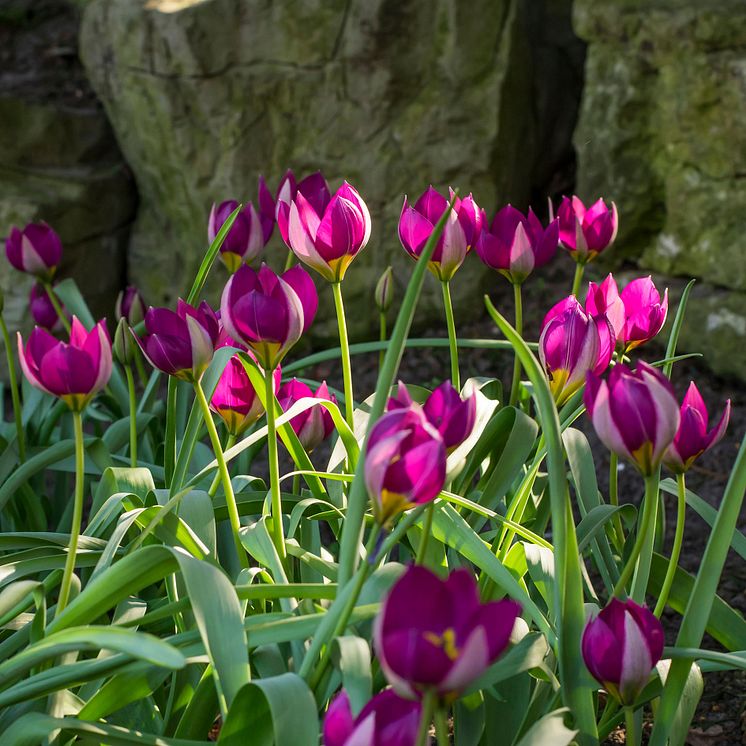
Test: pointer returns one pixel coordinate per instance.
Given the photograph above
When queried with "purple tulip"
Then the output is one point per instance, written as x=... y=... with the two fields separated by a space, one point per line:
x=387 y=720
x=235 y=399
x=180 y=344
x=452 y=416
x=635 y=413
x=462 y=229
x=315 y=191
x=267 y=312
x=130 y=306
x=328 y=240
x=585 y=233
x=250 y=232
x=36 y=249
x=405 y=463
x=692 y=438
x=434 y=634
x=644 y=312
x=571 y=344
x=515 y=244
x=604 y=300
x=621 y=647
x=314 y=425
x=43 y=312
x=74 y=372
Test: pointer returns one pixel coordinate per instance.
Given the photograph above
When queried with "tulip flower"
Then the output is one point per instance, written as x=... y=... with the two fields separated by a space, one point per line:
x=387 y=720
x=571 y=344
x=267 y=312
x=621 y=647
x=235 y=399
x=43 y=312
x=328 y=239
x=461 y=231
x=130 y=306
x=384 y=293
x=74 y=372
x=692 y=438
x=250 y=232
x=315 y=191
x=644 y=312
x=452 y=416
x=405 y=463
x=312 y=426
x=585 y=233
x=515 y=244
x=604 y=300
x=36 y=249
x=434 y=635
x=181 y=343
x=635 y=413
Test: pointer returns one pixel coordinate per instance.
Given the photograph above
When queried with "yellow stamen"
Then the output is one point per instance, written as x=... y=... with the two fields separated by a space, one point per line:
x=447 y=641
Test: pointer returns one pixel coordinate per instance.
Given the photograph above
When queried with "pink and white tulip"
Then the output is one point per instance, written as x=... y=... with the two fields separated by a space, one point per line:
x=586 y=232
x=36 y=250
x=312 y=426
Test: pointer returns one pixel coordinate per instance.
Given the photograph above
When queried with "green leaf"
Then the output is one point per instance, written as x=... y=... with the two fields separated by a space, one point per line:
x=678 y=321
x=687 y=705
x=550 y=729
x=351 y=655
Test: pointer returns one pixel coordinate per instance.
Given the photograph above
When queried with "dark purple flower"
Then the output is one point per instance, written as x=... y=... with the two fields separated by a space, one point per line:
x=36 y=249
x=313 y=425
x=130 y=306
x=42 y=310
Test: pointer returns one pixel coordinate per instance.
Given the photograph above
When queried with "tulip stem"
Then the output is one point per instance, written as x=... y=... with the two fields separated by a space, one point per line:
x=289 y=261
x=428 y=705
x=441 y=726
x=72 y=549
x=614 y=498
x=427 y=528
x=645 y=526
x=57 y=307
x=578 y=278
x=13 y=381
x=519 y=328
x=631 y=736
x=230 y=497
x=278 y=534
x=382 y=337
x=673 y=563
x=345 y=351
x=452 y=343
x=229 y=443
x=133 y=413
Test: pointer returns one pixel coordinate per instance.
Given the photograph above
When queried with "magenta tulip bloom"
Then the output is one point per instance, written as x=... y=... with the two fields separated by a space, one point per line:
x=635 y=413
x=585 y=233
x=235 y=399
x=267 y=312
x=604 y=300
x=434 y=634
x=43 y=312
x=328 y=240
x=452 y=416
x=621 y=647
x=73 y=372
x=571 y=344
x=315 y=191
x=312 y=426
x=181 y=343
x=130 y=306
x=515 y=244
x=250 y=232
x=405 y=463
x=36 y=249
x=692 y=438
x=644 y=312
x=387 y=720
x=461 y=231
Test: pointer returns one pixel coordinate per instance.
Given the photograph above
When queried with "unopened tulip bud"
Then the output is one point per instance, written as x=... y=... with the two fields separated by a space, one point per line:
x=36 y=249
x=130 y=306
x=384 y=295
x=123 y=347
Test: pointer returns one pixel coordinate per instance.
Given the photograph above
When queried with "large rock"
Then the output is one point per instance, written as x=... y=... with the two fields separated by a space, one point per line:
x=205 y=95
x=59 y=160
x=661 y=132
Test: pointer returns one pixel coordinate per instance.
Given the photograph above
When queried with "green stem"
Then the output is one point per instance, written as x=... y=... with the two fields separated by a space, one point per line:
x=678 y=539
x=229 y=443
x=519 y=328
x=452 y=343
x=230 y=498
x=345 y=349
x=296 y=484
x=631 y=736
x=382 y=338
x=645 y=526
x=289 y=260
x=428 y=705
x=57 y=307
x=72 y=550
x=140 y=367
x=278 y=535
x=427 y=528
x=20 y=435
x=169 y=444
x=578 y=278
x=133 y=415
x=642 y=570
x=441 y=726
x=614 y=498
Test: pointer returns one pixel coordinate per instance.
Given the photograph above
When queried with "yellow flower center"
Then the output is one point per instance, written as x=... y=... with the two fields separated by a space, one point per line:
x=447 y=641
